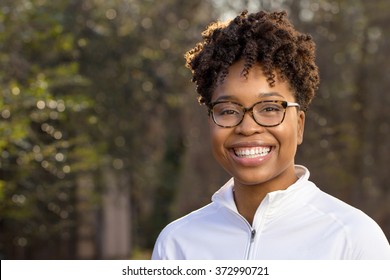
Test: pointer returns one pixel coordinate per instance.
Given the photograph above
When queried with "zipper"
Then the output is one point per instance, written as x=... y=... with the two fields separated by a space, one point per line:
x=252 y=239
x=253 y=234
x=252 y=231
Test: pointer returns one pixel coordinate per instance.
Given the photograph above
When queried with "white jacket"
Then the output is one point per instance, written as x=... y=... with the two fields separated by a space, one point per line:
x=301 y=222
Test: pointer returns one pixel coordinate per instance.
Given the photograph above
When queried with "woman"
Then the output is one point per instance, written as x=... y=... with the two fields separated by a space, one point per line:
x=257 y=76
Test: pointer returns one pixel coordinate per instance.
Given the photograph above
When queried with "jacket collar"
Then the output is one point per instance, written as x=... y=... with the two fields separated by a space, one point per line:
x=224 y=196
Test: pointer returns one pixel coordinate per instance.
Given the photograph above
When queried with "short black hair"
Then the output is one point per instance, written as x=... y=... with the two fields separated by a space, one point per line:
x=267 y=38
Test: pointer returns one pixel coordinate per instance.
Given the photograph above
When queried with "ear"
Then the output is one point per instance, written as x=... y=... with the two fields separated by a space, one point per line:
x=301 y=126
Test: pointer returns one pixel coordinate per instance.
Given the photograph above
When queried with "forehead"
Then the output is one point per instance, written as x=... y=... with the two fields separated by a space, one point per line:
x=251 y=87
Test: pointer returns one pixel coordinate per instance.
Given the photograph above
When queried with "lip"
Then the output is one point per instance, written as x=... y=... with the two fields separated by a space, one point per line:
x=257 y=157
x=249 y=144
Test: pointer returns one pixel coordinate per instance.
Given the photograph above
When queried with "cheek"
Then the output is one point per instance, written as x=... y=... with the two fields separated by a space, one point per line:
x=287 y=136
x=290 y=132
x=218 y=138
x=214 y=138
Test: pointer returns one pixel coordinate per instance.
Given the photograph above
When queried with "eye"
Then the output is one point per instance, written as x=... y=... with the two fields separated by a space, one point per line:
x=269 y=108
x=228 y=112
x=226 y=109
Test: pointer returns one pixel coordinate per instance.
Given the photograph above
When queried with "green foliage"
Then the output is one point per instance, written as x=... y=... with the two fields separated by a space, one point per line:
x=92 y=88
x=87 y=86
x=43 y=104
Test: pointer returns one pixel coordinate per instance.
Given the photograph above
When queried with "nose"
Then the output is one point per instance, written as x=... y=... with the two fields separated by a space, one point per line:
x=248 y=126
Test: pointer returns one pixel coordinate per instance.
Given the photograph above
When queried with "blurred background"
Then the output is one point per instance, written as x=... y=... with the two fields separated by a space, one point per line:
x=102 y=141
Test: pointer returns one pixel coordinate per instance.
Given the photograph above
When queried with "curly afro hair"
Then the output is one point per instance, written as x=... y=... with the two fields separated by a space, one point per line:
x=265 y=38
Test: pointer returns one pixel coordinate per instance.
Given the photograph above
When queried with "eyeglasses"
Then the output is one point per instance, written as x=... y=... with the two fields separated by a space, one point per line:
x=266 y=113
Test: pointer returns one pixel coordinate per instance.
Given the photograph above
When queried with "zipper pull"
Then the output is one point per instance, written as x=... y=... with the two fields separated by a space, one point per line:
x=253 y=233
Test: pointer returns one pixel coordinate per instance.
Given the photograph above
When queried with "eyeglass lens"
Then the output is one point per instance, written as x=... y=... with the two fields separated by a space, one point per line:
x=267 y=113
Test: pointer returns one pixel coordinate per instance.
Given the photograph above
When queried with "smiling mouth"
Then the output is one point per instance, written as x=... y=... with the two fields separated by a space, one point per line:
x=252 y=152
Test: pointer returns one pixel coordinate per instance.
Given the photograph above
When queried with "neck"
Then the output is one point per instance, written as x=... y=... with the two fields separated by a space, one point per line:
x=247 y=201
x=249 y=197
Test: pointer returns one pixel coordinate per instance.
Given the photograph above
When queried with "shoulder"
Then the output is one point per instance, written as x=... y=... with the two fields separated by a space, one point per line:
x=363 y=236
x=192 y=219
x=338 y=210
x=177 y=234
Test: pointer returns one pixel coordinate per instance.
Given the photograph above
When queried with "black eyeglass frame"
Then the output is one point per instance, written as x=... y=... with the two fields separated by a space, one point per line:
x=285 y=105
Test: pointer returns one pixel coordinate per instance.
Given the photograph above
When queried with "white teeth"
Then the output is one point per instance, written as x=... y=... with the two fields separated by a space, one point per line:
x=252 y=152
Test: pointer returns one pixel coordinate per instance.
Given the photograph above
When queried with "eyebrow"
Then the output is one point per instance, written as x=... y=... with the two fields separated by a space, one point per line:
x=269 y=94
x=260 y=95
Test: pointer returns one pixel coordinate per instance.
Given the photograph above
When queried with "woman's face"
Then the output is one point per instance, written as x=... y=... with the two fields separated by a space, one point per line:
x=252 y=154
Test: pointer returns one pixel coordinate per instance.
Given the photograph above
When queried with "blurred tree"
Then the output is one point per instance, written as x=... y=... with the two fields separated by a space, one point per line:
x=102 y=141
x=113 y=73
x=43 y=109
x=132 y=51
